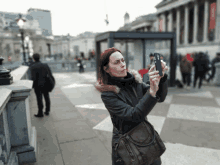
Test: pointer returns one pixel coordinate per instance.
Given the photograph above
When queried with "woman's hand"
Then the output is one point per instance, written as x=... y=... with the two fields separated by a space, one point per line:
x=155 y=78
x=154 y=81
x=164 y=67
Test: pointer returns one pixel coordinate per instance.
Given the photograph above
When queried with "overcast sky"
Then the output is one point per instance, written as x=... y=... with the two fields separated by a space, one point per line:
x=78 y=16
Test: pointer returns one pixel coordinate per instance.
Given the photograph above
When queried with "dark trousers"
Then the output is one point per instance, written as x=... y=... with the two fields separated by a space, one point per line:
x=39 y=91
x=199 y=75
x=81 y=69
x=186 y=77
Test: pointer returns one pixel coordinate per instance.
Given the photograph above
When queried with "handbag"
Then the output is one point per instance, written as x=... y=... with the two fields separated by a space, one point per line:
x=142 y=145
x=50 y=81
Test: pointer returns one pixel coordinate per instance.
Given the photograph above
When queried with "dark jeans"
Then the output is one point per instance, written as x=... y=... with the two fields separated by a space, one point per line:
x=39 y=91
x=81 y=69
x=199 y=75
x=186 y=77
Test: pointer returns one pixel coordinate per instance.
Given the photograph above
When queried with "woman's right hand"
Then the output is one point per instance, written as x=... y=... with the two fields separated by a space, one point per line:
x=154 y=81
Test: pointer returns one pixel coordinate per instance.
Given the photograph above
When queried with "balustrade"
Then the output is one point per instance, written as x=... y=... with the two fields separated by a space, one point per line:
x=18 y=144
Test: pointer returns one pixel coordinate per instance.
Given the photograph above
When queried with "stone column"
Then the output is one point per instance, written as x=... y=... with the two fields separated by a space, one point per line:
x=217 y=26
x=157 y=43
x=186 y=25
x=206 y=18
x=195 y=23
x=164 y=29
x=170 y=26
x=178 y=26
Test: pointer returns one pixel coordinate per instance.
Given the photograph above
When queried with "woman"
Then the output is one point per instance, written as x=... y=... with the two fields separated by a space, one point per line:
x=186 y=68
x=117 y=86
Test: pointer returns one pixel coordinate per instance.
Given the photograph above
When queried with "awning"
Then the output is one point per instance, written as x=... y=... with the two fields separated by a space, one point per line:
x=173 y=5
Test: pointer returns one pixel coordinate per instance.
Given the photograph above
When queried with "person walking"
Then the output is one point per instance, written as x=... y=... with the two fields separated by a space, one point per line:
x=39 y=72
x=30 y=63
x=214 y=61
x=128 y=99
x=185 y=69
x=151 y=61
x=201 y=67
x=80 y=64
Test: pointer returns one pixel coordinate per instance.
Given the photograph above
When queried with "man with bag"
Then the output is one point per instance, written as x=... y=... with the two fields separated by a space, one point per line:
x=41 y=76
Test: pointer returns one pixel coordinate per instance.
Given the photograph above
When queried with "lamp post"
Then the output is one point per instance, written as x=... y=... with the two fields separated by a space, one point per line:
x=27 y=45
x=68 y=38
x=20 y=21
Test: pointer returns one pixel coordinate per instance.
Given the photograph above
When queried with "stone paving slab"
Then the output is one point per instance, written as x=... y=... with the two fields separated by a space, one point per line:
x=85 y=152
x=63 y=128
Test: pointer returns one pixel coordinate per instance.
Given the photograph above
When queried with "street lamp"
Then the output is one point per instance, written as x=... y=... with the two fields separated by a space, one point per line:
x=27 y=45
x=20 y=21
x=68 y=38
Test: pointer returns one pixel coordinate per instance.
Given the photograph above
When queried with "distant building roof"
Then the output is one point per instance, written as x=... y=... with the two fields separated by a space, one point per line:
x=163 y=3
x=144 y=18
x=35 y=9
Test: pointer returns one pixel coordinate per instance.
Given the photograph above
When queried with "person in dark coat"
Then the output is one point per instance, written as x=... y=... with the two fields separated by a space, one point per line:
x=214 y=61
x=81 y=68
x=39 y=72
x=118 y=87
x=201 y=67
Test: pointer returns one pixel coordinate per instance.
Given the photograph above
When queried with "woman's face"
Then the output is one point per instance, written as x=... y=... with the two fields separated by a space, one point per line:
x=117 y=66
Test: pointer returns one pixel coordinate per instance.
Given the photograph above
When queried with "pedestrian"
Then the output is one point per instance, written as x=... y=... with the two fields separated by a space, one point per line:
x=214 y=61
x=151 y=61
x=185 y=69
x=128 y=99
x=201 y=67
x=30 y=63
x=80 y=64
x=39 y=72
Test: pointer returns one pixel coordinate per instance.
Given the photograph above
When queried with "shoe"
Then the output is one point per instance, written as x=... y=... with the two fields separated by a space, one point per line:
x=39 y=115
x=46 y=113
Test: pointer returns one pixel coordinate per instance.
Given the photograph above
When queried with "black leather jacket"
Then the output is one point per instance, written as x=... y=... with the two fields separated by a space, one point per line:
x=125 y=108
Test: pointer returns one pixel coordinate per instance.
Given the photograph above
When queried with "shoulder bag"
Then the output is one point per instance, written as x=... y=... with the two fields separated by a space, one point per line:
x=50 y=81
x=142 y=145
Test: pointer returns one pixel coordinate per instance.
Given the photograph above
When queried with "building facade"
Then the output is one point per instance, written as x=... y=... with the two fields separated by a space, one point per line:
x=44 y=19
x=196 y=23
x=10 y=37
x=74 y=45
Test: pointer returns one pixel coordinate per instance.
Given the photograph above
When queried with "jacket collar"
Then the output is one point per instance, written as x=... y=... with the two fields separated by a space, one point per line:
x=115 y=84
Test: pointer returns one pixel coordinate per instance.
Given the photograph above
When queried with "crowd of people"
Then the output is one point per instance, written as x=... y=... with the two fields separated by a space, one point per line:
x=202 y=65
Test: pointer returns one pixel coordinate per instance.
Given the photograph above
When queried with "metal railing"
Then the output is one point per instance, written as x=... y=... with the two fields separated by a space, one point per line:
x=70 y=66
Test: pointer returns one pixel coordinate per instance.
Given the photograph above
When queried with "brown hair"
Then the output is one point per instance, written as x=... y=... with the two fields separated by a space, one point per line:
x=104 y=61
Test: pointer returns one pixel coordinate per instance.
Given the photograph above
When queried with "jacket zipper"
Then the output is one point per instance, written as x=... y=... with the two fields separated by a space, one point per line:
x=135 y=92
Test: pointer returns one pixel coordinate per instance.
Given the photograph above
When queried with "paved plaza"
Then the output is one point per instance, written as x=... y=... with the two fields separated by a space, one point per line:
x=79 y=130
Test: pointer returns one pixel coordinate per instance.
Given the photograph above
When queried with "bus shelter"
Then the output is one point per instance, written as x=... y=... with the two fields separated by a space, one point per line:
x=113 y=37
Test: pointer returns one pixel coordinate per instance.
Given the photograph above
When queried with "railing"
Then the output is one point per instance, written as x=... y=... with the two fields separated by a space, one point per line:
x=18 y=144
x=12 y=65
x=70 y=66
